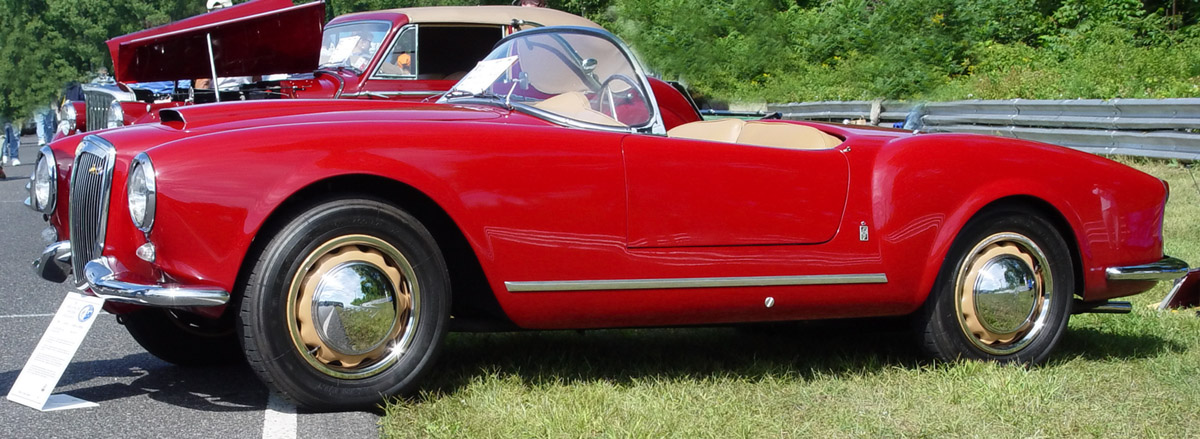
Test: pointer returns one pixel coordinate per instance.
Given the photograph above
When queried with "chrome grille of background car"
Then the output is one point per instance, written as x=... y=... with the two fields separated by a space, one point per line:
x=97 y=109
x=91 y=182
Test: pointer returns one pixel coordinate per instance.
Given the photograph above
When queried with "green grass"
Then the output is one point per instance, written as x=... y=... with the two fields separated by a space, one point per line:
x=1134 y=375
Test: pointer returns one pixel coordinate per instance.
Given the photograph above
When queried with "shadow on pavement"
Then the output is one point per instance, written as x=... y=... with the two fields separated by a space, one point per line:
x=231 y=388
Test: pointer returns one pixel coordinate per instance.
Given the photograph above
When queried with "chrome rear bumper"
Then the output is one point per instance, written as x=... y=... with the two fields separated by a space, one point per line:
x=1166 y=269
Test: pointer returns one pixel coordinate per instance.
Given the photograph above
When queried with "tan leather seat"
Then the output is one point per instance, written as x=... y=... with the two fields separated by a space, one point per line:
x=719 y=130
x=785 y=135
x=576 y=105
x=757 y=133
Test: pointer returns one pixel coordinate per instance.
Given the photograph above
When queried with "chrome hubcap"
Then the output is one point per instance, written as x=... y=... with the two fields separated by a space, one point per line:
x=352 y=306
x=1004 y=293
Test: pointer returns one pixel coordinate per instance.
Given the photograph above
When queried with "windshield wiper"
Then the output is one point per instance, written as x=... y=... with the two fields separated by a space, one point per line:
x=453 y=94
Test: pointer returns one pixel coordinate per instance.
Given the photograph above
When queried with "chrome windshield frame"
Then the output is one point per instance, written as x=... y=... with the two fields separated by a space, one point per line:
x=385 y=51
x=654 y=125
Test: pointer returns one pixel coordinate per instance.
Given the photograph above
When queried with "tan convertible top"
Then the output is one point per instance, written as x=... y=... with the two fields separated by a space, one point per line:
x=492 y=15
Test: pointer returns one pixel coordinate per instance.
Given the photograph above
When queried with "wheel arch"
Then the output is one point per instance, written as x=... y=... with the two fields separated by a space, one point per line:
x=1032 y=204
x=474 y=305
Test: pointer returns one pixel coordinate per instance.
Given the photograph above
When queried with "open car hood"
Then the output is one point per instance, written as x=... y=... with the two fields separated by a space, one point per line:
x=258 y=37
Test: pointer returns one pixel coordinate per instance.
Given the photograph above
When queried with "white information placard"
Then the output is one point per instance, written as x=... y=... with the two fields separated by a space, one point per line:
x=53 y=353
x=484 y=74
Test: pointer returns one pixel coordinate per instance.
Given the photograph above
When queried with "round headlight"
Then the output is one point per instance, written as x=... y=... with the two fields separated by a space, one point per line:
x=66 y=117
x=44 y=185
x=142 y=192
x=116 y=115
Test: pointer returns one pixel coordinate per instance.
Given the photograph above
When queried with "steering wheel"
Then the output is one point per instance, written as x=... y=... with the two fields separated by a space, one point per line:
x=608 y=100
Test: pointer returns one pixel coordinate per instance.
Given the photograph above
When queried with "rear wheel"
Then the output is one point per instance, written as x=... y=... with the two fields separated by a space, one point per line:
x=347 y=303
x=1003 y=293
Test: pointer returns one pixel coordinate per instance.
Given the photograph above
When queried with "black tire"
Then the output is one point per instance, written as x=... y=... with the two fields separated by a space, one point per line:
x=346 y=304
x=184 y=338
x=970 y=315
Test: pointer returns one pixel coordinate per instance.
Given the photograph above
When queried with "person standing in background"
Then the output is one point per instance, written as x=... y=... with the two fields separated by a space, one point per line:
x=532 y=3
x=44 y=119
x=11 y=141
x=3 y=154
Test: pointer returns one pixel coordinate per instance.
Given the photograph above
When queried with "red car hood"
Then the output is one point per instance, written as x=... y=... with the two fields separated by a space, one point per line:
x=258 y=37
x=251 y=113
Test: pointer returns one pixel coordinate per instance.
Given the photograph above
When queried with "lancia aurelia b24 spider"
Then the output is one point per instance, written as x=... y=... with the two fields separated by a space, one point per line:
x=334 y=243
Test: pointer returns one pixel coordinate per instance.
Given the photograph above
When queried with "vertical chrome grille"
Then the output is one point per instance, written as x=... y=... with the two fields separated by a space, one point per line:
x=91 y=181
x=97 y=109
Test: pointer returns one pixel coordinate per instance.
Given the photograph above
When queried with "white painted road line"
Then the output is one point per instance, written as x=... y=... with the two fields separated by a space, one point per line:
x=279 y=420
x=22 y=316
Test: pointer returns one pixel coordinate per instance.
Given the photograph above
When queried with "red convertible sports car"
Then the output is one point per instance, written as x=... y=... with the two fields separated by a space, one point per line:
x=334 y=243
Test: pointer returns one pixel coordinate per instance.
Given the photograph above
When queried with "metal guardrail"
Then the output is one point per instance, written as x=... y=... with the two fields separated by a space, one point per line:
x=1160 y=128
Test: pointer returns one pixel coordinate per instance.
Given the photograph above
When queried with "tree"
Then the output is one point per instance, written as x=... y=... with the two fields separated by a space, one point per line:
x=51 y=42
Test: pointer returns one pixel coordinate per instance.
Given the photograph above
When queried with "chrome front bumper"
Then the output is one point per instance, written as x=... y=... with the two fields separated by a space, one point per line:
x=1166 y=269
x=55 y=265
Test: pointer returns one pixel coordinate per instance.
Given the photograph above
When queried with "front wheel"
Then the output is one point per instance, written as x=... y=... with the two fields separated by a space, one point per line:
x=347 y=304
x=1004 y=291
x=183 y=338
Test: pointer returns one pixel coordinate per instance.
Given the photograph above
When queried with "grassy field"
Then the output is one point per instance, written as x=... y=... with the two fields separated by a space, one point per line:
x=1134 y=375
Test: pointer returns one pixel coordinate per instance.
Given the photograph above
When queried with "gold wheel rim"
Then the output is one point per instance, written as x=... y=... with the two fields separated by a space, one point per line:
x=974 y=318
x=305 y=325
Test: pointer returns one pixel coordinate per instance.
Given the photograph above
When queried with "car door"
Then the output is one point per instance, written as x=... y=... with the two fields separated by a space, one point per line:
x=695 y=193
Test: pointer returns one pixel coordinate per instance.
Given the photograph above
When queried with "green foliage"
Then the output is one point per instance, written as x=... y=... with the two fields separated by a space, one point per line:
x=50 y=42
x=718 y=46
x=918 y=49
x=1106 y=62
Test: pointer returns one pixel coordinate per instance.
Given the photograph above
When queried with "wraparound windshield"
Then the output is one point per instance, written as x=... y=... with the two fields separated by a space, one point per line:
x=578 y=76
x=352 y=45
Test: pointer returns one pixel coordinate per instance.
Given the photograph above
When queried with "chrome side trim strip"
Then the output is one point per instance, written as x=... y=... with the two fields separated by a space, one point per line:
x=699 y=282
x=104 y=284
x=1166 y=269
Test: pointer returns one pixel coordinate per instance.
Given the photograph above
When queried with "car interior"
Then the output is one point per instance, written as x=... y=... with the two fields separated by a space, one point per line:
x=757 y=133
x=441 y=52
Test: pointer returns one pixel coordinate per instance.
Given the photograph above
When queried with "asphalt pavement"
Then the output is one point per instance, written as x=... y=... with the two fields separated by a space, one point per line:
x=138 y=394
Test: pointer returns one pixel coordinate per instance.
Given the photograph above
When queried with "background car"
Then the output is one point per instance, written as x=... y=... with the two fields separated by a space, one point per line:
x=333 y=243
x=271 y=49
